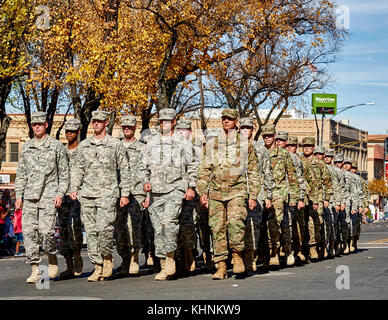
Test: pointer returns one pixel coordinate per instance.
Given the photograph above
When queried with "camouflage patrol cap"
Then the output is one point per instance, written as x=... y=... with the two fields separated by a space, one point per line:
x=268 y=129
x=338 y=157
x=282 y=135
x=348 y=160
x=72 y=124
x=329 y=152
x=231 y=113
x=167 y=114
x=319 y=149
x=38 y=117
x=308 y=140
x=128 y=120
x=99 y=115
x=183 y=124
x=292 y=140
x=246 y=122
x=355 y=164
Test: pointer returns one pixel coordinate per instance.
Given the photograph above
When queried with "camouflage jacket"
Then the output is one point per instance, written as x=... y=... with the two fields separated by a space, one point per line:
x=284 y=172
x=365 y=188
x=353 y=189
x=72 y=158
x=169 y=163
x=299 y=172
x=344 y=190
x=134 y=150
x=267 y=180
x=226 y=166
x=43 y=171
x=318 y=180
x=102 y=169
x=336 y=197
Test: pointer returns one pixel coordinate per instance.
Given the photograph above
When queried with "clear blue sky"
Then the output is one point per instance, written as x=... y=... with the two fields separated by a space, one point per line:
x=361 y=73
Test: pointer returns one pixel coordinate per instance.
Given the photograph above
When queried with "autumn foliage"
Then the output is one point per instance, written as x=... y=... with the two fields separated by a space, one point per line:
x=379 y=186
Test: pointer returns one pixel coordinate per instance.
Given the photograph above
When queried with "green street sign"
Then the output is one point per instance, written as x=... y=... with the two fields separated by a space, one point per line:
x=324 y=103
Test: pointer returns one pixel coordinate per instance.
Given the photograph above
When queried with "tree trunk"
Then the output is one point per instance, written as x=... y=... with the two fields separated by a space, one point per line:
x=112 y=119
x=4 y=118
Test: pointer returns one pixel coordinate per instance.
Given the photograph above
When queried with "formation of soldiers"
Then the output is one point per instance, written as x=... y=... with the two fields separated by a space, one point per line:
x=247 y=203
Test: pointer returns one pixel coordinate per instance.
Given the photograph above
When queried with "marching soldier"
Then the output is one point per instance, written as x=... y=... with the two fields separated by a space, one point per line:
x=42 y=180
x=227 y=161
x=254 y=224
x=286 y=189
x=70 y=225
x=101 y=181
x=318 y=195
x=170 y=169
x=297 y=213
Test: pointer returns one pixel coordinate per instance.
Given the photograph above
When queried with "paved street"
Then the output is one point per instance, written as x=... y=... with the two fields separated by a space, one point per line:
x=368 y=280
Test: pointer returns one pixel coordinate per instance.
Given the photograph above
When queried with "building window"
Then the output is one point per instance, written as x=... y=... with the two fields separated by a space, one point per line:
x=14 y=152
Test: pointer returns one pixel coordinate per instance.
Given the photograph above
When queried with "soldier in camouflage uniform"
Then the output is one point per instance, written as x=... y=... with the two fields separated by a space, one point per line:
x=129 y=218
x=362 y=203
x=297 y=212
x=338 y=200
x=319 y=191
x=286 y=190
x=227 y=162
x=170 y=170
x=334 y=203
x=187 y=238
x=41 y=182
x=344 y=214
x=254 y=223
x=101 y=180
x=69 y=215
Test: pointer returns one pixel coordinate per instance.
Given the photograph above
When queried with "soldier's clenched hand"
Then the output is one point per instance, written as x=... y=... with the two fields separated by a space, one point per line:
x=146 y=203
x=337 y=208
x=147 y=187
x=326 y=204
x=252 y=204
x=315 y=207
x=300 y=204
x=343 y=207
x=124 y=201
x=73 y=196
x=57 y=202
x=189 y=195
x=268 y=203
x=204 y=201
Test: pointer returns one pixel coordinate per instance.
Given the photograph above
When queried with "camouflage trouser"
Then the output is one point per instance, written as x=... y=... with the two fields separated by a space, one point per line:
x=337 y=227
x=164 y=213
x=285 y=228
x=275 y=217
x=147 y=234
x=227 y=223
x=356 y=220
x=329 y=224
x=128 y=228
x=315 y=224
x=98 y=216
x=344 y=223
x=298 y=229
x=187 y=236
x=252 y=227
x=203 y=229
x=38 y=222
x=70 y=227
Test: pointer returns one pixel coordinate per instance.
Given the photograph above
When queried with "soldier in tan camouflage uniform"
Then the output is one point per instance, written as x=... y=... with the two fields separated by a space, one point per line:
x=41 y=182
x=129 y=218
x=287 y=189
x=69 y=215
x=170 y=170
x=254 y=224
x=227 y=161
x=101 y=180
x=297 y=212
x=319 y=191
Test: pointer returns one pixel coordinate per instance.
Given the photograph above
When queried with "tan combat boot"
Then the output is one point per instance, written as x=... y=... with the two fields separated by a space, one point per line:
x=108 y=265
x=189 y=260
x=352 y=246
x=254 y=261
x=346 y=250
x=134 y=265
x=313 y=253
x=248 y=260
x=124 y=268
x=290 y=259
x=68 y=273
x=97 y=274
x=170 y=264
x=221 y=271
x=150 y=261
x=78 y=263
x=35 y=274
x=274 y=258
x=325 y=254
x=53 y=269
x=238 y=264
x=301 y=257
x=162 y=274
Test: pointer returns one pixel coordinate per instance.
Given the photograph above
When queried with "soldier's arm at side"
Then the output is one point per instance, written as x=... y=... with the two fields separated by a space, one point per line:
x=269 y=180
x=253 y=174
x=78 y=172
x=21 y=179
x=292 y=180
x=126 y=178
x=144 y=170
x=326 y=183
x=204 y=173
x=63 y=171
